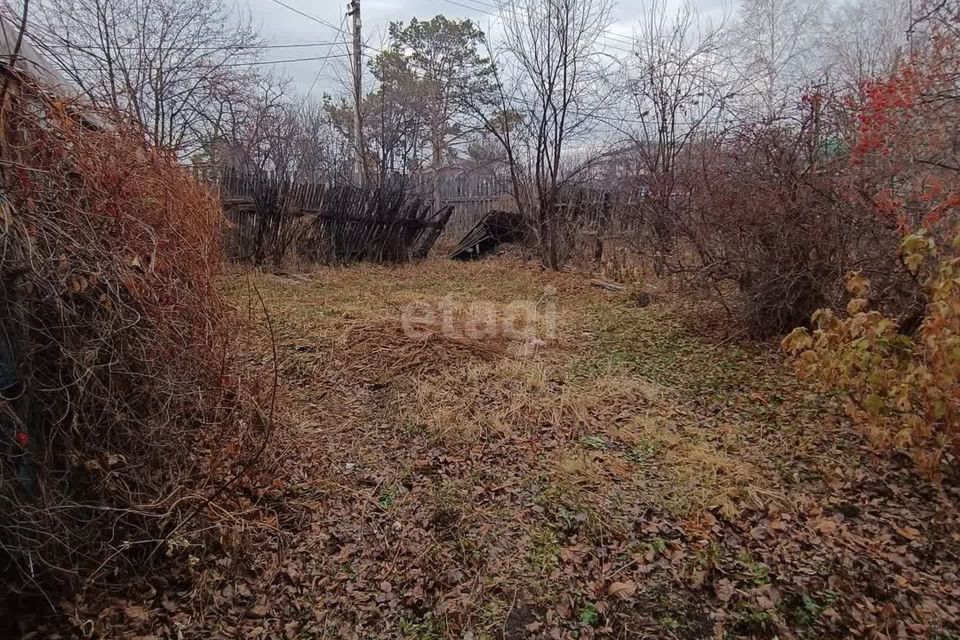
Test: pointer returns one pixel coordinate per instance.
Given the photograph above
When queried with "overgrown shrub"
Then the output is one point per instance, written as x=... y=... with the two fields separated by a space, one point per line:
x=769 y=211
x=780 y=211
x=113 y=344
x=900 y=374
x=903 y=389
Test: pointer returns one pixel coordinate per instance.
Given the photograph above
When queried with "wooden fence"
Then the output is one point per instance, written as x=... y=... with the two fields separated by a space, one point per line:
x=593 y=208
x=471 y=196
x=338 y=223
x=272 y=216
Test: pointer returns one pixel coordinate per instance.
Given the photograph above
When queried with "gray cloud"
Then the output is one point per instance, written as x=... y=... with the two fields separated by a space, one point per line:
x=283 y=26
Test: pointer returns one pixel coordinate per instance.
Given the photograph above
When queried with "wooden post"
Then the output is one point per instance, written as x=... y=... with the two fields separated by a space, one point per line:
x=353 y=10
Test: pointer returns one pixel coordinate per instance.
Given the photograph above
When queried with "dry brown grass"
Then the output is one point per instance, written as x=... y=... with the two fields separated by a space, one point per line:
x=620 y=479
x=561 y=399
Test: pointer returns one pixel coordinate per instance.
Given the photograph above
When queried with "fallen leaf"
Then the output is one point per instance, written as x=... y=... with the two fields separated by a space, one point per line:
x=136 y=612
x=622 y=590
x=826 y=526
x=724 y=589
x=909 y=533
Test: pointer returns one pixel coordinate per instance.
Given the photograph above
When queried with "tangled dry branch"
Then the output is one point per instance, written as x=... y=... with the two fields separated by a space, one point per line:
x=115 y=362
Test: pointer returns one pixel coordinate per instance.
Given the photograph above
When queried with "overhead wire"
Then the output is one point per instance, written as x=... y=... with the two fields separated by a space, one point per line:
x=326 y=63
x=252 y=63
x=606 y=33
x=65 y=44
x=303 y=14
x=609 y=120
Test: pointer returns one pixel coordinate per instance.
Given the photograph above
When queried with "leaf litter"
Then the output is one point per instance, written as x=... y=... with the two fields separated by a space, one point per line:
x=631 y=477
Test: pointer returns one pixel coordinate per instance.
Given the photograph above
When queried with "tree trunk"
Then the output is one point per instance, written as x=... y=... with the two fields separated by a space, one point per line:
x=548 y=232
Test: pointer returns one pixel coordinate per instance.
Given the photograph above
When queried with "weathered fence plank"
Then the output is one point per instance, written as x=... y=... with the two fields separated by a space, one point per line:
x=272 y=216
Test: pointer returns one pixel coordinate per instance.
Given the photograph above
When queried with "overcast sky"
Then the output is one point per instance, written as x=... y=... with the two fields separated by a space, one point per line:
x=281 y=25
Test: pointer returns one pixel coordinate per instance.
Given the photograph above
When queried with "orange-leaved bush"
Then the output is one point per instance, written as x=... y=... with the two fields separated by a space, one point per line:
x=902 y=389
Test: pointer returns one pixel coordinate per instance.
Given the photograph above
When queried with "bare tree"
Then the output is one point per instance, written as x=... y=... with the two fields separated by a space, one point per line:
x=321 y=152
x=678 y=86
x=555 y=47
x=866 y=39
x=501 y=121
x=274 y=143
x=251 y=126
x=170 y=64
x=776 y=46
x=929 y=16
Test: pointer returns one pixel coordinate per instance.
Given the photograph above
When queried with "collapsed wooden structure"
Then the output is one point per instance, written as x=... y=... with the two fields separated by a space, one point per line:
x=495 y=228
x=272 y=215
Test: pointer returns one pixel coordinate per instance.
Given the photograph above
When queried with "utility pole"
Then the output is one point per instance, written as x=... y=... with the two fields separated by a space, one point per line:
x=353 y=11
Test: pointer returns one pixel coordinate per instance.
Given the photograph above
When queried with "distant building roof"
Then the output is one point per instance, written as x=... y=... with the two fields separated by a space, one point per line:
x=31 y=62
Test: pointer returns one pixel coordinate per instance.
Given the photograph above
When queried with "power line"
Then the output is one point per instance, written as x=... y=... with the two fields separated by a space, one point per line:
x=607 y=119
x=254 y=63
x=64 y=44
x=616 y=37
x=313 y=84
x=495 y=15
x=262 y=62
x=606 y=33
x=320 y=21
x=499 y=15
x=323 y=22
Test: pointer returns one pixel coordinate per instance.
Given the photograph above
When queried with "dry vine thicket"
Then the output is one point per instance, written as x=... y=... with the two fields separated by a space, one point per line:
x=114 y=347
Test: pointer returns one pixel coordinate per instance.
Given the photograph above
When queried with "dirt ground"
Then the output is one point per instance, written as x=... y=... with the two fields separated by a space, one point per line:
x=487 y=450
